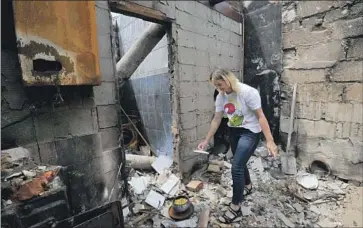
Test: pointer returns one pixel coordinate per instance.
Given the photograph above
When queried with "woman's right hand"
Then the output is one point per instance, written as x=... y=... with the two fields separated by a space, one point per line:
x=203 y=145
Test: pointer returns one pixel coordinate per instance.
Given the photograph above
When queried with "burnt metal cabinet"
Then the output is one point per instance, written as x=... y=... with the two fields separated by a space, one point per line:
x=57 y=42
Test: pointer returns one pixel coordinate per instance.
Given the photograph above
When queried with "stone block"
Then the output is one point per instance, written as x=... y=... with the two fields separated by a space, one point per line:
x=188 y=104
x=324 y=129
x=320 y=92
x=357 y=115
x=339 y=112
x=329 y=51
x=343 y=130
x=285 y=124
x=303 y=76
x=194 y=185
x=355 y=48
x=186 y=55
x=187 y=89
x=186 y=38
x=348 y=28
x=348 y=71
x=107 y=116
x=110 y=138
x=188 y=120
x=310 y=110
x=105 y=94
x=309 y=8
x=305 y=37
x=202 y=43
x=342 y=155
x=354 y=92
x=187 y=73
x=204 y=88
x=44 y=127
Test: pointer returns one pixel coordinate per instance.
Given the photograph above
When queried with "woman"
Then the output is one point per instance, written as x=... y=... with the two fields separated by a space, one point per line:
x=242 y=105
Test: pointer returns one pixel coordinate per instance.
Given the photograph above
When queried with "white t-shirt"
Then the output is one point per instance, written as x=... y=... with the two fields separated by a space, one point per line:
x=239 y=107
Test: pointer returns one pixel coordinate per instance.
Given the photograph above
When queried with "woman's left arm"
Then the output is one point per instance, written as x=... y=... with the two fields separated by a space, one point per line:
x=270 y=144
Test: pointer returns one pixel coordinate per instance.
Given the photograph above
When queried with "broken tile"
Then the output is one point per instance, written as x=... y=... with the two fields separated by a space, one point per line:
x=284 y=219
x=139 y=184
x=170 y=184
x=298 y=207
x=29 y=174
x=155 y=199
x=194 y=185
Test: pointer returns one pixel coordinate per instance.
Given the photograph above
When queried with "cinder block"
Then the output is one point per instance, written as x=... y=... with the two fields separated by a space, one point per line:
x=194 y=185
x=105 y=94
x=205 y=103
x=202 y=58
x=187 y=89
x=305 y=127
x=339 y=112
x=107 y=116
x=235 y=39
x=343 y=130
x=188 y=120
x=107 y=69
x=189 y=135
x=201 y=42
x=187 y=104
x=186 y=55
x=202 y=130
x=320 y=92
x=348 y=28
x=204 y=88
x=74 y=122
x=348 y=71
x=186 y=38
x=323 y=129
x=110 y=138
x=355 y=48
x=187 y=73
x=202 y=11
x=202 y=74
x=355 y=92
x=285 y=124
x=44 y=127
x=204 y=117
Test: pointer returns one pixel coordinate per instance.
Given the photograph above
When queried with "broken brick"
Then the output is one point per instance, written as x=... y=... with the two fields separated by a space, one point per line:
x=194 y=185
x=214 y=168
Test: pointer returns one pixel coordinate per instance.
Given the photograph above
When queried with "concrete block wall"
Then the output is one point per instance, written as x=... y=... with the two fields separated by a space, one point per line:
x=81 y=133
x=323 y=53
x=147 y=92
x=204 y=39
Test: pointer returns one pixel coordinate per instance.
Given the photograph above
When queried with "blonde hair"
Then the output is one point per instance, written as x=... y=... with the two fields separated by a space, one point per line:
x=227 y=76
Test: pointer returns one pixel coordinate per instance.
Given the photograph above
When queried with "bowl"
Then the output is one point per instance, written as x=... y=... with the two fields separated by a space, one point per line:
x=181 y=204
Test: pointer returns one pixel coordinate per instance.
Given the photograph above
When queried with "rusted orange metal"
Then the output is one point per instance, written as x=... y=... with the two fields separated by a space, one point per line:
x=61 y=31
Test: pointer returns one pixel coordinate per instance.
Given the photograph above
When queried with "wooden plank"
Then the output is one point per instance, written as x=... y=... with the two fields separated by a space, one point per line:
x=135 y=10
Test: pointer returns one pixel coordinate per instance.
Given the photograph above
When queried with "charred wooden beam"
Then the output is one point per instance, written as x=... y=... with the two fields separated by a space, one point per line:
x=139 y=50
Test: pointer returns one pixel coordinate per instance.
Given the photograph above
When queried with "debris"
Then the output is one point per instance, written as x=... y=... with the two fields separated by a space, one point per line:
x=314 y=209
x=261 y=151
x=30 y=189
x=9 y=202
x=142 y=218
x=307 y=180
x=194 y=185
x=13 y=175
x=214 y=168
x=337 y=190
x=139 y=161
x=204 y=218
x=42 y=167
x=168 y=186
x=155 y=199
x=284 y=219
x=298 y=207
x=145 y=150
x=201 y=152
x=162 y=163
x=256 y=164
x=327 y=223
x=139 y=184
x=246 y=211
x=29 y=174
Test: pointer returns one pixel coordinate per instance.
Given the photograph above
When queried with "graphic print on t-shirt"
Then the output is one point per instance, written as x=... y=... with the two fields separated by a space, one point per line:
x=233 y=112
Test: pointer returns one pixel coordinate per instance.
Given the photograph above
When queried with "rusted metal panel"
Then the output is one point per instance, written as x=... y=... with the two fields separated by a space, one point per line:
x=57 y=42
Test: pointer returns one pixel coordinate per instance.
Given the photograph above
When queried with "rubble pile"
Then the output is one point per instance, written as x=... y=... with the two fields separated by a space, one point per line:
x=277 y=199
x=22 y=179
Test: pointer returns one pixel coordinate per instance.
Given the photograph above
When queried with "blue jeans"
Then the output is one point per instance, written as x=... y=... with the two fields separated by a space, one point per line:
x=243 y=145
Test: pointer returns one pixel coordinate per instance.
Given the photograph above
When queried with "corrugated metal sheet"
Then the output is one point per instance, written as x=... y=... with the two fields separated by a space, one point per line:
x=62 y=31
